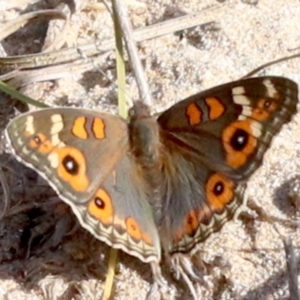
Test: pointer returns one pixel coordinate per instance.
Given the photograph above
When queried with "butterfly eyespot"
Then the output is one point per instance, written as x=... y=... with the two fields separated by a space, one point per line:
x=101 y=207
x=263 y=109
x=192 y=222
x=219 y=191
x=190 y=225
x=70 y=165
x=239 y=139
x=99 y=203
x=133 y=229
x=267 y=103
x=37 y=140
x=218 y=188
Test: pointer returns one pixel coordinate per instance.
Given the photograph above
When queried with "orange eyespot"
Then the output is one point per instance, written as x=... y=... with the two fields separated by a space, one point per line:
x=37 y=140
x=238 y=142
x=71 y=167
x=133 y=228
x=101 y=207
x=219 y=191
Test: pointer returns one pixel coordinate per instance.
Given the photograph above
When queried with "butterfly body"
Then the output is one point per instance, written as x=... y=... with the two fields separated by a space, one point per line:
x=157 y=183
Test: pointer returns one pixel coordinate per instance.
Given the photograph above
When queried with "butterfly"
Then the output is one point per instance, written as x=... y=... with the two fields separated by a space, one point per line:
x=156 y=185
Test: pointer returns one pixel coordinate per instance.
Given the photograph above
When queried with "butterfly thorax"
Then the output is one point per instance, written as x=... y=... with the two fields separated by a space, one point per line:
x=146 y=146
x=144 y=136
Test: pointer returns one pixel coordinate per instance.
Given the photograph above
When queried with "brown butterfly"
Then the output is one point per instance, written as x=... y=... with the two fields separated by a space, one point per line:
x=157 y=183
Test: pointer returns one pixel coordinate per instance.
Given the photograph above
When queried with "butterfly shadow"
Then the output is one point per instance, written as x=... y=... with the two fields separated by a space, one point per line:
x=286 y=199
x=275 y=285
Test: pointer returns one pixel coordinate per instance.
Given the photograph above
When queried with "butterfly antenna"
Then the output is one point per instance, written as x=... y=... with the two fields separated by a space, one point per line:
x=266 y=65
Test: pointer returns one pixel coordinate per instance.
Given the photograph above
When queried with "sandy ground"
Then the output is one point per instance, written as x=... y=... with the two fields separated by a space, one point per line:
x=246 y=260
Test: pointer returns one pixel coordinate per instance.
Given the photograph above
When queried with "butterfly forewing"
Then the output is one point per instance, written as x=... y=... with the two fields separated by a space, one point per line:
x=229 y=127
x=62 y=143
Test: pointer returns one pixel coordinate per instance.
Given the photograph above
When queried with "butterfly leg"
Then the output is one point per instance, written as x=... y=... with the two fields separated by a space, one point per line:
x=187 y=269
x=159 y=281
